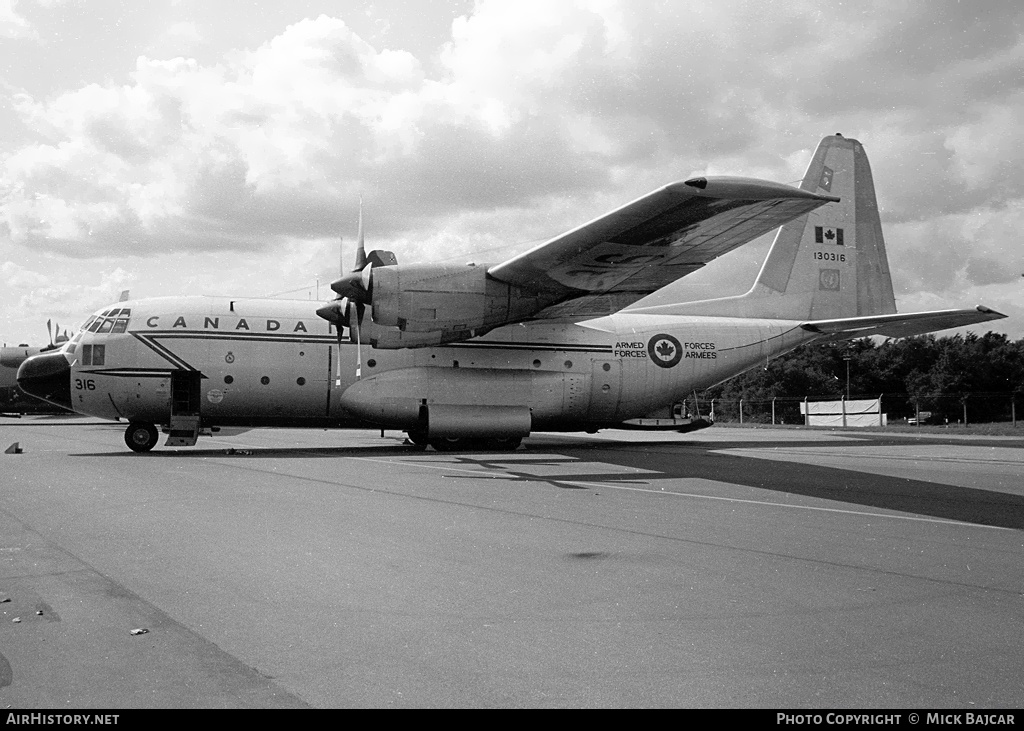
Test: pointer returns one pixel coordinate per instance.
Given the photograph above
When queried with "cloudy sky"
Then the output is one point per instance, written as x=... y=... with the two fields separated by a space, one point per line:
x=222 y=147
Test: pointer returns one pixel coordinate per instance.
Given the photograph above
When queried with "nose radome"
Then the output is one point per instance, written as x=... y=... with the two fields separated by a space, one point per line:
x=48 y=377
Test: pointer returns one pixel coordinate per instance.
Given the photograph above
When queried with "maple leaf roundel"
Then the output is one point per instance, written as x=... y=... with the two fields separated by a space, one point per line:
x=664 y=350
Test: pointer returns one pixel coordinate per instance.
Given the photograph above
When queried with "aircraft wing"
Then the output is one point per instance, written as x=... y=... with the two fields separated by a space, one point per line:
x=639 y=248
x=901 y=325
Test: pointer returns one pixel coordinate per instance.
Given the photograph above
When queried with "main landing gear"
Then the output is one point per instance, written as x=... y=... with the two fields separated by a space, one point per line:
x=140 y=436
x=466 y=444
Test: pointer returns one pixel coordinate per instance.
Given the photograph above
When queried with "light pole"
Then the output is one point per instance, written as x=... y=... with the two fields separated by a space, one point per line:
x=847 y=358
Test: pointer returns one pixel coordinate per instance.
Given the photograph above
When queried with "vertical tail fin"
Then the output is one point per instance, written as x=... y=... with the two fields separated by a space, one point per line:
x=830 y=263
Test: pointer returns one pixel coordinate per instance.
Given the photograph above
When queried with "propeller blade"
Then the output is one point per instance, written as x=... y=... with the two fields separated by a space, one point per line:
x=337 y=371
x=337 y=314
x=360 y=248
x=355 y=285
x=359 y=341
x=49 y=332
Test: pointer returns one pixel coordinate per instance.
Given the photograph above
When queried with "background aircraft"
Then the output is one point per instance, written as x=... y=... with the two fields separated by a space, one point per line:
x=13 y=399
x=478 y=355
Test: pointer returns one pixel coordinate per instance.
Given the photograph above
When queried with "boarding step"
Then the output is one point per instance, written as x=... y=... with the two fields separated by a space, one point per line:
x=183 y=432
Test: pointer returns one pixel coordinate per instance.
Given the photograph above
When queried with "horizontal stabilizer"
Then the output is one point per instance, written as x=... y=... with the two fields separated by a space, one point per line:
x=901 y=325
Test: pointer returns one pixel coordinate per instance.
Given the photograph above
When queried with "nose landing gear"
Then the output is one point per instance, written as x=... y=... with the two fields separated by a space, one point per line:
x=140 y=436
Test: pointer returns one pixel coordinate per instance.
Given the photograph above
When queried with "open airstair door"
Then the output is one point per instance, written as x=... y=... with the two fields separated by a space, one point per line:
x=185 y=401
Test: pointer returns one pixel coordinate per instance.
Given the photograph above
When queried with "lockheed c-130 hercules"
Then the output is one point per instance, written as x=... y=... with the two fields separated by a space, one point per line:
x=482 y=355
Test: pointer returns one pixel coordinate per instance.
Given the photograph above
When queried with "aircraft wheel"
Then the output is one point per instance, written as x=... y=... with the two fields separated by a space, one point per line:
x=418 y=438
x=141 y=436
x=468 y=444
x=448 y=444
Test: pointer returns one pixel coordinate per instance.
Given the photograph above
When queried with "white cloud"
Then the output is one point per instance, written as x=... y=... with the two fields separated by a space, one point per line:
x=14 y=276
x=13 y=25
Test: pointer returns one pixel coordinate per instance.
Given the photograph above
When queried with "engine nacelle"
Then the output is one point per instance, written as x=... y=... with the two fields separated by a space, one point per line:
x=456 y=301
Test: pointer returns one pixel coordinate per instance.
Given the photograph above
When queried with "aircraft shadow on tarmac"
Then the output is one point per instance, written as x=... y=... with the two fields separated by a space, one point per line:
x=662 y=460
x=705 y=460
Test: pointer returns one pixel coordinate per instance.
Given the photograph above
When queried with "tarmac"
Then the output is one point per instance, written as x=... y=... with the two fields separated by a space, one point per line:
x=727 y=568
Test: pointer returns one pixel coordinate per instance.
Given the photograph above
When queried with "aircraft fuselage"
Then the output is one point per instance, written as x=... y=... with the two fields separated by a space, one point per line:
x=265 y=362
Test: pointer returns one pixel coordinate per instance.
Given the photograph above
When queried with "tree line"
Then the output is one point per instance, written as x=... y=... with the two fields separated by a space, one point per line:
x=947 y=379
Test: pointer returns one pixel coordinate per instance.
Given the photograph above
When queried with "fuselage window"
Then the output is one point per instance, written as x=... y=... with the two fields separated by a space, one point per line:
x=105 y=326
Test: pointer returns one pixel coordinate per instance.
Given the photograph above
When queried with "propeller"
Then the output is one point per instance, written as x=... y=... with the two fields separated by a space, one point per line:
x=351 y=290
x=49 y=331
x=337 y=313
x=355 y=291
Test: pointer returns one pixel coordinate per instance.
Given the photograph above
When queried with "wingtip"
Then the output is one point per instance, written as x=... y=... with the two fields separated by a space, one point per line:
x=995 y=315
x=734 y=187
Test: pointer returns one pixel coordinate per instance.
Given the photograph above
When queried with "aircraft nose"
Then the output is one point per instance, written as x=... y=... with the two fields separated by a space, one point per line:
x=48 y=377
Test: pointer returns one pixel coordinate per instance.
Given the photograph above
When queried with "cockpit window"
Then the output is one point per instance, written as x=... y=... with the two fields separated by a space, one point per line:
x=93 y=354
x=114 y=320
